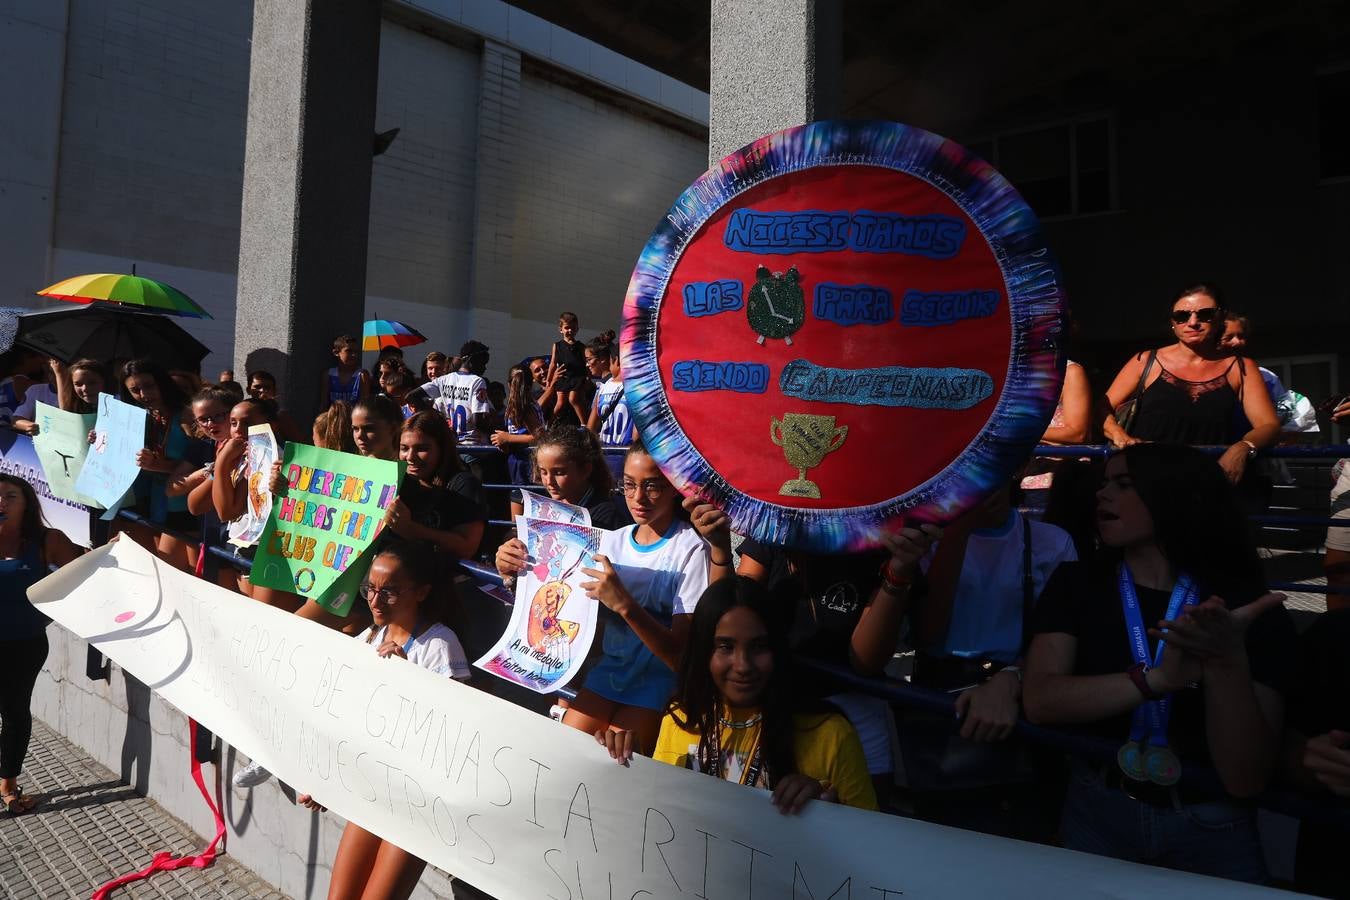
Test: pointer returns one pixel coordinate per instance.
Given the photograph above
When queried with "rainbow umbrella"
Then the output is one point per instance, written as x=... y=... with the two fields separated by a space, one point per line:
x=127 y=290
x=377 y=334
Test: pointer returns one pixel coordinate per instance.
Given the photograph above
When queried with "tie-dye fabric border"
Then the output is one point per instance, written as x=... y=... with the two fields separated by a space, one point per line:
x=1031 y=280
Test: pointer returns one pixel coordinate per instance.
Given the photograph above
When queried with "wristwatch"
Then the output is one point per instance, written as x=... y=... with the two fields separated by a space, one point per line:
x=1251 y=448
x=1016 y=671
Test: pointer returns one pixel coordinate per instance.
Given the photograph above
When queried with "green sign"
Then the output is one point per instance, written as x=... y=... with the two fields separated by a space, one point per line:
x=62 y=442
x=319 y=530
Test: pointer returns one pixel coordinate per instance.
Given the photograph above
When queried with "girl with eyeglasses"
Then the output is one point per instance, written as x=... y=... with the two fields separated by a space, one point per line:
x=400 y=591
x=648 y=577
x=375 y=424
x=1190 y=391
x=736 y=715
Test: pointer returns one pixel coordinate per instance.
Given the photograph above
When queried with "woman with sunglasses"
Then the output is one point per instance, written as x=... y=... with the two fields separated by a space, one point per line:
x=1189 y=392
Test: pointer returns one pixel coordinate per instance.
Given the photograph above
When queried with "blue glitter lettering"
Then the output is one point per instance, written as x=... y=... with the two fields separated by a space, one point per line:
x=695 y=375
x=917 y=388
x=807 y=231
x=919 y=308
x=708 y=298
x=853 y=304
x=935 y=236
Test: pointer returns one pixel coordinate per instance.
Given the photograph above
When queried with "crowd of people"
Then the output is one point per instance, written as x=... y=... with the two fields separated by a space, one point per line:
x=1133 y=612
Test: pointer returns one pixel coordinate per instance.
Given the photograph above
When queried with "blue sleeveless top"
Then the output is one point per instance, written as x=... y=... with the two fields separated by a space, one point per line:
x=19 y=619
x=347 y=392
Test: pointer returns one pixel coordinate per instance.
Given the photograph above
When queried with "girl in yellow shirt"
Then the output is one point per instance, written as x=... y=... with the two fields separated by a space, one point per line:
x=734 y=714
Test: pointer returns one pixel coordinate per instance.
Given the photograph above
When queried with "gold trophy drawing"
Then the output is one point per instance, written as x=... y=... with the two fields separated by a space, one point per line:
x=806 y=440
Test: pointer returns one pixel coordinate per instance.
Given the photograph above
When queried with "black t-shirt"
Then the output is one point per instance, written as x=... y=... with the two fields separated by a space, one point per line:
x=1320 y=701
x=831 y=593
x=607 y=511
x=1083 y=600
x=446 y=508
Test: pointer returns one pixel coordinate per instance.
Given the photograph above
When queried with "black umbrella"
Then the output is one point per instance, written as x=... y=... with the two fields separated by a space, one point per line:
x=109 y=333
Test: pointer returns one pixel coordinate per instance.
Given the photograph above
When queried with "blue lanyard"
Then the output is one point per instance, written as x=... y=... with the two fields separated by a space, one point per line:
x=407 y=645
x=1151 y=717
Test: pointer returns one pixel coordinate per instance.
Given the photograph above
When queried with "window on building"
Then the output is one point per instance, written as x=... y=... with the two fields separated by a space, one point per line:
x=1333 y=126
x=1062 y=170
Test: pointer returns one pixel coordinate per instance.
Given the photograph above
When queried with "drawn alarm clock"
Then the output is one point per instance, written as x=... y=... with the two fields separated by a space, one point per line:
x=776 y=307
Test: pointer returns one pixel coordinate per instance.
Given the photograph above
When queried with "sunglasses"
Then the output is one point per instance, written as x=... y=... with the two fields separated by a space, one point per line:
x=1204 y=316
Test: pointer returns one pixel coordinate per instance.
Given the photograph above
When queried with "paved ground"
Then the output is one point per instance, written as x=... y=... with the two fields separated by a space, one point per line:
x=92 y=828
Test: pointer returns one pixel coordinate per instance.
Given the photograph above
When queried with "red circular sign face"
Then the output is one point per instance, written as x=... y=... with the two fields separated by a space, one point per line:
x=832 y=328
x=841 y=328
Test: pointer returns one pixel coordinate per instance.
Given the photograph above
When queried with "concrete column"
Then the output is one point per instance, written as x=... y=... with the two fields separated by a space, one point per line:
x=32 y=78
x=775 y=64
x=306 y=204
x=490 y=279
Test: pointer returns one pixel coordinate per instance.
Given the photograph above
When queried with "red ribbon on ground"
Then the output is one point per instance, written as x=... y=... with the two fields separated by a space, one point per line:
x=165 y=862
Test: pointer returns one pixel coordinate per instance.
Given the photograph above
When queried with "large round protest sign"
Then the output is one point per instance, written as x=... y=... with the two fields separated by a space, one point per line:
x=842 y=327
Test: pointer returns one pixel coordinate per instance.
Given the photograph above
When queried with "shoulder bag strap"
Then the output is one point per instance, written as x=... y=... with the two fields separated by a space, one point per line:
x=1028 y=583
x=1143 y=377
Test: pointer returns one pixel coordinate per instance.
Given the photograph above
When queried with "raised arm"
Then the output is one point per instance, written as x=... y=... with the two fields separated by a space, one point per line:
x=878 y=630
x=229 y=498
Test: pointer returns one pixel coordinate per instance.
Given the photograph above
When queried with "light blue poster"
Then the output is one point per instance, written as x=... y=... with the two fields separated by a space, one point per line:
x=110 y=467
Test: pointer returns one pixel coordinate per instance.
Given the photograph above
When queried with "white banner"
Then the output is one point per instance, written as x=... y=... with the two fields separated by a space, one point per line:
x=512 y=802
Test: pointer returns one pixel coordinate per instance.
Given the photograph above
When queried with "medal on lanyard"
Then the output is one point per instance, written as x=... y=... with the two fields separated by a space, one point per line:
x=750 y=775
x=1146 y=756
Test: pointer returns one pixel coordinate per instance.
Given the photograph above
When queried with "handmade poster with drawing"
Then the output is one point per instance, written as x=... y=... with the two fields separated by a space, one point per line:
x=110 y=465
x=540 y=507
x=257 y=469
x=62 y=443
x=553 y=623
x=826 y=288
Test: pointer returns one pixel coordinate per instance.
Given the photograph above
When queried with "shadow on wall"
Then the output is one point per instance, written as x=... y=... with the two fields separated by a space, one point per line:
x=297 y=399
x=137 y=741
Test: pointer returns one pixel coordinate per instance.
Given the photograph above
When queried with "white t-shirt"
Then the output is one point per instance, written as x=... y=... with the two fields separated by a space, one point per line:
x=666 y=579
x=986 y=618
x=460 y=396
x=436 y=649
x=40 y=391
x=616 y=426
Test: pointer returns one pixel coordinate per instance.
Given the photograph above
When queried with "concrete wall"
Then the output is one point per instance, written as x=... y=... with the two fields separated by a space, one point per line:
x=150 y=140
x=127 y=728
x=422 y=190
x=592 y=180
x=152 y=136
x=32 y=58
